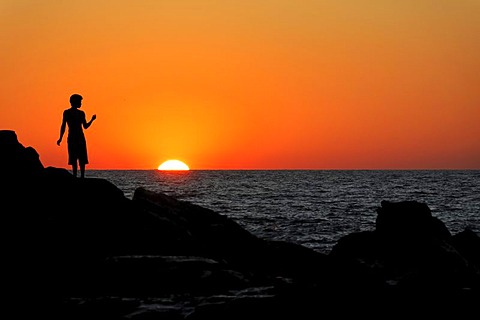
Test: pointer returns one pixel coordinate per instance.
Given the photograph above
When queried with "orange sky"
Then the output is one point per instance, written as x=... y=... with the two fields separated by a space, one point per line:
x=247 y=84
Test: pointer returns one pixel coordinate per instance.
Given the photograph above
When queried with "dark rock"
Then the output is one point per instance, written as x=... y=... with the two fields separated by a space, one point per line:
x=411 y=249
x=16 y=161
x=159 y=275
x=212 y=234
x=467 y=243
x=409 y=220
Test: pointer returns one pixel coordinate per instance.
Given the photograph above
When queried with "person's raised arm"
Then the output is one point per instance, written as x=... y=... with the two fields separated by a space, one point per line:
x=89 y=123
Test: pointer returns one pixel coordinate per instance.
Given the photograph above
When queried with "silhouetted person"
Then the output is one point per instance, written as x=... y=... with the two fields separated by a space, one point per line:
x=77 y=144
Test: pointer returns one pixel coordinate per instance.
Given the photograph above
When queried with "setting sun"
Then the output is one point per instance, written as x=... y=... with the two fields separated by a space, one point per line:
x=173 y=165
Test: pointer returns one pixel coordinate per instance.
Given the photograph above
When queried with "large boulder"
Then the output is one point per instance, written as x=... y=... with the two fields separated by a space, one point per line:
x=410 y=248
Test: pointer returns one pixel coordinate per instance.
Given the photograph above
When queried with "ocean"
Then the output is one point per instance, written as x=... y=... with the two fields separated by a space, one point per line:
x=313 y=208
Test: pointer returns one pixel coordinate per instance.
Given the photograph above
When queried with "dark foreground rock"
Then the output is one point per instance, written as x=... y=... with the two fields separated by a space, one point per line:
x=79 y=249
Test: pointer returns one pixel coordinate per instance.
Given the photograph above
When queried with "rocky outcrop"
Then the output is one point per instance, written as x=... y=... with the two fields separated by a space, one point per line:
x=410 y=248
x=79 y=249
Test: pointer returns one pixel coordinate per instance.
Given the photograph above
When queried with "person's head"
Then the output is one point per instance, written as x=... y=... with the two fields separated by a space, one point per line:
x=76 y=100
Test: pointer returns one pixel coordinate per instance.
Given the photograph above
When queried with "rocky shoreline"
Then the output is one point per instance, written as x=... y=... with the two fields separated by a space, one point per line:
x=79 y=249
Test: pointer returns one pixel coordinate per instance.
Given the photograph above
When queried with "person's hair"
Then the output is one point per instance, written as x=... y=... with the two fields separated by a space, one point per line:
x=75 y=97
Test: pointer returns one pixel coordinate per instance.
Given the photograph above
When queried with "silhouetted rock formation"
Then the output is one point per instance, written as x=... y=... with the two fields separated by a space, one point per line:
x=79 y=249
x=410 y=248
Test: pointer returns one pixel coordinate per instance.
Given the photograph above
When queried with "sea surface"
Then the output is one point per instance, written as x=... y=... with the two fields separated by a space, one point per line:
x=314 y=208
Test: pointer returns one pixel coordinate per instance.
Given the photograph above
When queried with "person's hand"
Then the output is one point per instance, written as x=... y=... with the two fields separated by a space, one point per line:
x=59 y=141
x=94 y=117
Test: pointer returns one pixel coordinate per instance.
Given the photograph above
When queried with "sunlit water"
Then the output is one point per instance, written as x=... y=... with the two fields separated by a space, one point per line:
x=313 y=208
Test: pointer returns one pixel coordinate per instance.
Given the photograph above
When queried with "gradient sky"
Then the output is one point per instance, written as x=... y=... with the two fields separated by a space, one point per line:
x=247 y=84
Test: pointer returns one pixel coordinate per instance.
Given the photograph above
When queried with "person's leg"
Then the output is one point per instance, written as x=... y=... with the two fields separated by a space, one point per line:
x=82 y=170
x=74 y=169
